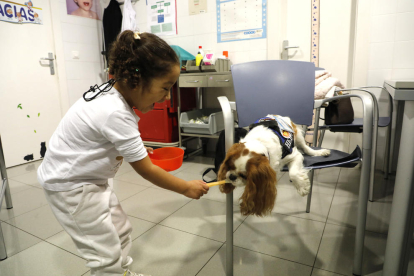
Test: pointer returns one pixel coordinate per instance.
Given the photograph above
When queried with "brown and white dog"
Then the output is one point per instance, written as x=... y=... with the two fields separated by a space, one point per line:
x=254 y=162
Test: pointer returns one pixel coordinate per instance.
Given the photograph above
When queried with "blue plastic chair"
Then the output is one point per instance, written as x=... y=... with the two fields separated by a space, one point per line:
x=287 y=88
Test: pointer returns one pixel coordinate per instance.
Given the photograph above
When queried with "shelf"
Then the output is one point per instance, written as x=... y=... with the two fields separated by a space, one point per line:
x=215 y=135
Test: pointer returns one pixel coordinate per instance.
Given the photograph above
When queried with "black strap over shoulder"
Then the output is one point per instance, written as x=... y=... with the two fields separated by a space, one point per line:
x=106 y=87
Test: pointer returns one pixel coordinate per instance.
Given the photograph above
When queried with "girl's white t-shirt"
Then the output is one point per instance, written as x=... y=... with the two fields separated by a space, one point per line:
x=90 y=143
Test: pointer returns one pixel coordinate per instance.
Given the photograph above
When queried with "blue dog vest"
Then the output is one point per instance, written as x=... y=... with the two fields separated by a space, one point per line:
x=281 y=129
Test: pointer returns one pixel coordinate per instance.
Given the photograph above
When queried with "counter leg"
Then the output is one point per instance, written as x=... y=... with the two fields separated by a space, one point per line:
x=401 y=210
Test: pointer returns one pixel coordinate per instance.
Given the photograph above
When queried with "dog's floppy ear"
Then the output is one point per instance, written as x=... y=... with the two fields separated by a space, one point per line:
x=260 y=191
x=228 y=164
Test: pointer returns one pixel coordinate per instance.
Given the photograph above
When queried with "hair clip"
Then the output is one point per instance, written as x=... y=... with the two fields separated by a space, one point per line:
x=136 y=35
x=137 y=70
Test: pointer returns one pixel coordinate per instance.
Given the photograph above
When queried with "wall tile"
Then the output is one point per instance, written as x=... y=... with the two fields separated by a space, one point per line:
x=405 y=6
x=384 y=7
x=377 y=77
x=405 y=26
x=383 y=28
x=258 y=44
x=185 y=25
x=402 y=74
x=72 y=72
x=404 y=54
x=257 y=55
x=381 y=55
x=182 y=8
x=76 y=89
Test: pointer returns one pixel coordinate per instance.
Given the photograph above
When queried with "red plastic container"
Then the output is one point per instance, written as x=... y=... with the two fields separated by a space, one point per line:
x=169 y=158
x=161 y=124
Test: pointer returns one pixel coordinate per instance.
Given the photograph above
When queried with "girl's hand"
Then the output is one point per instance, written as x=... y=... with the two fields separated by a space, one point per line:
x=196 y=189
x=149 y=150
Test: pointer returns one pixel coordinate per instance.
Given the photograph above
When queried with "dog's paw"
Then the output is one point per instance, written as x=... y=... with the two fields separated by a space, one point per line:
x=303 y=191
x=324 y=152
x=303 y=184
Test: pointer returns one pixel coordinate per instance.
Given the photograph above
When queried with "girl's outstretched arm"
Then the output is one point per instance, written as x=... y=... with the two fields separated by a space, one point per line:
x=192 y=189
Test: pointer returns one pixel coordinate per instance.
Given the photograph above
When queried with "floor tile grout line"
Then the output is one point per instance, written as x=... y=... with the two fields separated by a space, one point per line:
x=329 y=271
x=272 y=256
x=210 y=259
x=324 y=227
x=41 y=240
x=166 y=226
x=24 y=212
x=132 y=240
x=64 y=249
x=32 y=234
x=175 y=211
x=120 y=201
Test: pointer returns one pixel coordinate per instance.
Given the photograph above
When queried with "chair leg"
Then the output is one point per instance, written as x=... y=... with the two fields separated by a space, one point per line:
x=373 y=159
x=321 y=138
x=387 y=154
x=308 y=203
x=362 y=211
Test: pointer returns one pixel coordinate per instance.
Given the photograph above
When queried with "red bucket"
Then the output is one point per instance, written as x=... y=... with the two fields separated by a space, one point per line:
x=169 y=158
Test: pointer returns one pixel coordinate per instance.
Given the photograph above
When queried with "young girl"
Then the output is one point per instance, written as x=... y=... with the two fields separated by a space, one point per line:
x=90 y=143
x=84 y=9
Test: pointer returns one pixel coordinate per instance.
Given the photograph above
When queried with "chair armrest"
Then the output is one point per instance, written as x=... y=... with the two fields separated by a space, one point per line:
x=368 y=113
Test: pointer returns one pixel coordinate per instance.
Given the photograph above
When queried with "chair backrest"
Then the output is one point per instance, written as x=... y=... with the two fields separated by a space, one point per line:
x=279 y=87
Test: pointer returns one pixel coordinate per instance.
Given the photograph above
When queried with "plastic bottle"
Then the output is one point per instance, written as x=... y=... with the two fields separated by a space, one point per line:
x=200 y=50
x=199 y=58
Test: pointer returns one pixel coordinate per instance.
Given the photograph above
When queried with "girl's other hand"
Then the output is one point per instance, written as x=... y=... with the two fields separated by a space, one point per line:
x=149 y=150
x=196 y=189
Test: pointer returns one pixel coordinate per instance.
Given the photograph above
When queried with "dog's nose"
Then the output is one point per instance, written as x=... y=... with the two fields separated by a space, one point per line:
x=232 y=177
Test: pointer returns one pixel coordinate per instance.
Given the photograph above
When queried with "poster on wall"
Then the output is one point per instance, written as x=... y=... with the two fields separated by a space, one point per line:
x=162 y=17
x=197 y=6
x=241 y=20
x=84 y=8
x=20 y=13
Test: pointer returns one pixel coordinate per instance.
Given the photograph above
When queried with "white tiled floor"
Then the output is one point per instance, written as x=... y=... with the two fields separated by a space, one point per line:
x=175 y=236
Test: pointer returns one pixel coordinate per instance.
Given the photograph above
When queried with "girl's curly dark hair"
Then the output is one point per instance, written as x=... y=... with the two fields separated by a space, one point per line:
x=138 y=61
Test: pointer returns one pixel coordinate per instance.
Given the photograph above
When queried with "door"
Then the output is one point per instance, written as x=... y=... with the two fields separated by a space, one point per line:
x=297 y=29
x=29 y=95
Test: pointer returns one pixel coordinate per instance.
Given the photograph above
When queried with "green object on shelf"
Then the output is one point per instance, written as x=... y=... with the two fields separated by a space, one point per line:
x=182 y=54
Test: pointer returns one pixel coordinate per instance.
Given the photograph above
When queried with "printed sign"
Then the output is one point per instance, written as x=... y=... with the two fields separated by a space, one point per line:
x=241 y=20
x=20 y=13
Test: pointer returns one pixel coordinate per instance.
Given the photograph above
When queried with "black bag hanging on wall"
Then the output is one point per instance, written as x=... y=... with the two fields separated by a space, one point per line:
x=112 y=25
x=221 y=150
x=339 y=112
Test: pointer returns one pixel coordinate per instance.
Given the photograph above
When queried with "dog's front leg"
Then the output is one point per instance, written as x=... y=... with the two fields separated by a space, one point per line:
x=299 y=175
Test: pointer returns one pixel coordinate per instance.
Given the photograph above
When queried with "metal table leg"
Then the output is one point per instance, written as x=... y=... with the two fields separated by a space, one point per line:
x=4 y=192
x=402 y=208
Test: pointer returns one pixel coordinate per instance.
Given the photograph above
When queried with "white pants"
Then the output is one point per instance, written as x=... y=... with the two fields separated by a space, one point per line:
x=93 y=217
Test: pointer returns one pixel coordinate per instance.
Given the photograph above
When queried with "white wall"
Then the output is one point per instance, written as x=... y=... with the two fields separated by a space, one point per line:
x=384 y=50
x=200 y=30
x=84 y=35
x=380 y=47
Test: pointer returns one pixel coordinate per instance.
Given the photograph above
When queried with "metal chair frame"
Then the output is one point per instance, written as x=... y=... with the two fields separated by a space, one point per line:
x=387 y=156
x=368 y=120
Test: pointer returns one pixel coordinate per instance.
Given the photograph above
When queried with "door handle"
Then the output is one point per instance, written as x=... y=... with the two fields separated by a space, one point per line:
x=222 y=80
x=285 y=51
x=195 y=81
x=50 y=58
